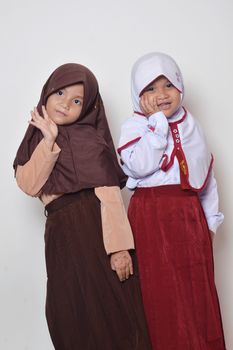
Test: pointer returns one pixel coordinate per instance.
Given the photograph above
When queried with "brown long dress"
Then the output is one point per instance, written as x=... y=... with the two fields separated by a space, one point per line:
x=87 y=307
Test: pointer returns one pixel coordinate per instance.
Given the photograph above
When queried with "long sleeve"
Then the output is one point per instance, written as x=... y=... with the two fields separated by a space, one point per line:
x=142 y=158
x=117 y=234
x=209 y=201
x=32 y=175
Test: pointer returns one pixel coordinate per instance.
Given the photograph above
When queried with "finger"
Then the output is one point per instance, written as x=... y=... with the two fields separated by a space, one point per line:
x=36 y=113
x=45 y=114
x=34 y=118
x=127 y=272
x=146 y=104
x=31 y=122
x=32 y=115
x=155 y=106
x=142 y=105
x=131 y=268
x=112 y=265
x=120 y=274
x=149 y=103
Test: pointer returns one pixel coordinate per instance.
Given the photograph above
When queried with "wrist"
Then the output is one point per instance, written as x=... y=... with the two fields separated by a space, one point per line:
x=49 y=143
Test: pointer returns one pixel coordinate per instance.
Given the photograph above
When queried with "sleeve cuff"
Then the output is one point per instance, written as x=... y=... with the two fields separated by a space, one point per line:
x=47 y=152
x=160 y=123
x=215 y=222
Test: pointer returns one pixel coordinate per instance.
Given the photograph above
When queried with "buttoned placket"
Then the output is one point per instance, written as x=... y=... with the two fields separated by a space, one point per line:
x=179 y=154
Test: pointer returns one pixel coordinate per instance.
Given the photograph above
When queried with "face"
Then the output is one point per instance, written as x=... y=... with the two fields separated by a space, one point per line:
x=65 y=105
x=164 y=95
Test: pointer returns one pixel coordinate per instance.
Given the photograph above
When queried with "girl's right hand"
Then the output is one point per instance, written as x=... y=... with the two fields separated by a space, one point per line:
x=121 y=262
x=148 y=105
x=46 y=125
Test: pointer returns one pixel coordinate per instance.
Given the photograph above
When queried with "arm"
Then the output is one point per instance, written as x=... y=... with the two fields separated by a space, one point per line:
x=117 y=234
x=209 y=202
x=143 y=157
x=32 y=175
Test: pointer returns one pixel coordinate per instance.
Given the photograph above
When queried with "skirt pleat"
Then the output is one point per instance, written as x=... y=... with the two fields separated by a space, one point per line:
x=175 y=258
x=87 y=307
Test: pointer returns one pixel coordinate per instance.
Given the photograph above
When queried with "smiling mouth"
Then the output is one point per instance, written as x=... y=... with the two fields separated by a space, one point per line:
x=165 y=105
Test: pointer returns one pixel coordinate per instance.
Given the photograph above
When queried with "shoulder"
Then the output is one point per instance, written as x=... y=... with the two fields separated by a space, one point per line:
x=192 y=128
x=135 y=121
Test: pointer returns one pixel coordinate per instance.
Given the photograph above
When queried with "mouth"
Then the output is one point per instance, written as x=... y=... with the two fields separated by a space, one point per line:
x=164 y=106
x=59 y=112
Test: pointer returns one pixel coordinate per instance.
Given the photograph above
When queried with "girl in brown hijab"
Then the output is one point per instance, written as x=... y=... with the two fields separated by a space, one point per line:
x=67 y=159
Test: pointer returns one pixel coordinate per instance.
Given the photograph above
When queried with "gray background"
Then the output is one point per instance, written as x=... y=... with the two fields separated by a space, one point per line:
x=107 y=36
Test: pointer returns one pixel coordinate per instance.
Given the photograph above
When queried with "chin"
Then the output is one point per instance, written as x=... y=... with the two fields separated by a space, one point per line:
x=167 y=115
x=58 y=121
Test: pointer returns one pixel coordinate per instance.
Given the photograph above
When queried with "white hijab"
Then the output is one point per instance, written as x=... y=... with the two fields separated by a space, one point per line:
x=148 y=68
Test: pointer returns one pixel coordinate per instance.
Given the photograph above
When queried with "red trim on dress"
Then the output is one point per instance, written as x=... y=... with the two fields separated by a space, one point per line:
x=180 y=120
x=207 y=177
x=180 y=155
x=139 y=113
x=128 y=144
x=166 y=167
x=152 y=128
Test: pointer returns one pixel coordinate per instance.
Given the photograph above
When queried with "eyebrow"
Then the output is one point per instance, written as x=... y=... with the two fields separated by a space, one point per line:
x=76 y=96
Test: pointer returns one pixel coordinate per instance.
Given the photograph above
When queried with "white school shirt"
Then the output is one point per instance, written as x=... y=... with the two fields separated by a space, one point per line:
x=143 y=157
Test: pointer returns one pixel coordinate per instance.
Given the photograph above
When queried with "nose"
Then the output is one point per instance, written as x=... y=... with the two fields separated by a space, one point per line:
x=65 y=104
x=161 y=94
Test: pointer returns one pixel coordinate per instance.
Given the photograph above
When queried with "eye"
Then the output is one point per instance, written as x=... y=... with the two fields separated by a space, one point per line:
x=169 y=85
x=60 y=92
x=149 y=88
x=77 y=101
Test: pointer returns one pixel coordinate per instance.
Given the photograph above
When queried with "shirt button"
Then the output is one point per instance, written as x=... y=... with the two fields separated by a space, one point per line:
x=177 y=141
x=175 y=131
x=177 y=135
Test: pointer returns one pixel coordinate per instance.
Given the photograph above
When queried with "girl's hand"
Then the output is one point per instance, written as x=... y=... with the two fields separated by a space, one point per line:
x=212 y=235
x=148 y=105
x=121 y=262
x=48 y=128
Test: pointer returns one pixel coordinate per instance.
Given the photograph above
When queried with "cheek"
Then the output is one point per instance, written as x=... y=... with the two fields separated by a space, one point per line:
x=177 y=98
x=76 y=113
x=49 y=104
x=48 y=108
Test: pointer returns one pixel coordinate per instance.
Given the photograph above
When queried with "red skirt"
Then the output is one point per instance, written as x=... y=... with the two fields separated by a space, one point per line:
x=175 y=257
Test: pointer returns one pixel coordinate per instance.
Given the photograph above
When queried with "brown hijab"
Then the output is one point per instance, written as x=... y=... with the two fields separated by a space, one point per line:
x=87 y=158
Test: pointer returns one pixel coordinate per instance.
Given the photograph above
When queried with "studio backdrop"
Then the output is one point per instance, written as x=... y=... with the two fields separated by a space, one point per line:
x=106 y=36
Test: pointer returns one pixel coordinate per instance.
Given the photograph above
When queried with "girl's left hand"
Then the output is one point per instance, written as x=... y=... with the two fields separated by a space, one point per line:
x=212 y=235
x=121 y=262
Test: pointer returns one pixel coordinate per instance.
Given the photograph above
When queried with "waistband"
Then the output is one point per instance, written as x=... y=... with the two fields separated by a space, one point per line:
x=64 y=200
x=164 y=190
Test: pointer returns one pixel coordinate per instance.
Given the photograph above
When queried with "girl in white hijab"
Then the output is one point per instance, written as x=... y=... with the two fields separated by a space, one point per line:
x=174 y=210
